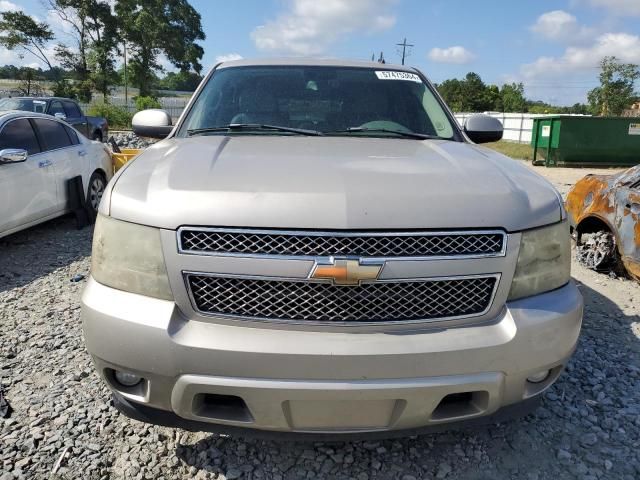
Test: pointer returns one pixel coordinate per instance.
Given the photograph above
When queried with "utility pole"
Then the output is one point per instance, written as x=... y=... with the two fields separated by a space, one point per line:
x=126 y=92
x=404 y=46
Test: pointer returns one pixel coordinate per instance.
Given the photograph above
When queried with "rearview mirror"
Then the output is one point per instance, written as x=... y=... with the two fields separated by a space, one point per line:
x=483 y=128
x=13 y=155
x=60 y=116
x=152 y=123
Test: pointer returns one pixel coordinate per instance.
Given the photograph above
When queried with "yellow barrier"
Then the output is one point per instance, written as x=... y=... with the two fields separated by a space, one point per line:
x=125 y=155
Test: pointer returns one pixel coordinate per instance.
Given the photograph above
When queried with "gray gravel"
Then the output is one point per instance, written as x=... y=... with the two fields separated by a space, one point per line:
x=130 y=140
x=587 y=428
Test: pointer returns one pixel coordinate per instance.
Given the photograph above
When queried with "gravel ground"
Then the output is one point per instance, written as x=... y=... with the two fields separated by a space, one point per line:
x=63 y=425
x=130 y=140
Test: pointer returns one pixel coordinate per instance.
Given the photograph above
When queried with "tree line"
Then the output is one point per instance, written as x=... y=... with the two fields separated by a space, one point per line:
x=176 y=81
x=615 y=94
x=99 y=34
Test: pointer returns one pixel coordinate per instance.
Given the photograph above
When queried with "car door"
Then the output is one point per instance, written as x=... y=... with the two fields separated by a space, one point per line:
x=28 y=191
x=57 y=110
x=63 y=151
x=627 y=201
x=75 y=117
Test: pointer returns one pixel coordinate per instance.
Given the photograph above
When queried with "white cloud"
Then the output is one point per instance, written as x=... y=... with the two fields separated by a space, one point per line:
x=567 y=78
x=457 y=54
x=20 y=58
x=60 y=26
x=7 y=6
x=229 y=57
x=561 y=26
x=619 y=7
x=309 y=27
x=164 y=62
x=624 y=46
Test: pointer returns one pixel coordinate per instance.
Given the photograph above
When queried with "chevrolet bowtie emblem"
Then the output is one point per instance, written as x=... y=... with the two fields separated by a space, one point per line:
x=346 y=271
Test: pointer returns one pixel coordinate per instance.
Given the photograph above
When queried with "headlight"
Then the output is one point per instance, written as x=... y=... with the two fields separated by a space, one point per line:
x=544 y=261
x=128 y=257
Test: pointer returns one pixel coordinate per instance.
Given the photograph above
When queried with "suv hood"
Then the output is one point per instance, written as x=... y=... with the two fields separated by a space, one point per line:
x=330 y=183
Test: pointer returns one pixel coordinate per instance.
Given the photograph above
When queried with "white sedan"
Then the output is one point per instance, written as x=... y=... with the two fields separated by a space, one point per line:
x=38 y=155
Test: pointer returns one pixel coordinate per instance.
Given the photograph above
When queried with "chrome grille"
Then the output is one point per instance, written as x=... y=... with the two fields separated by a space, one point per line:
x=323 y=302
x=307 y=243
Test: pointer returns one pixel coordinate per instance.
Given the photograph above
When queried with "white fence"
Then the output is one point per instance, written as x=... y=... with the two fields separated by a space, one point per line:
x=173 y=105
x=518 y=127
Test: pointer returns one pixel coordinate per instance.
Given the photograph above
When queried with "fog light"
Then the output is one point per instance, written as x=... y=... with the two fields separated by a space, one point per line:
x=539 y=377
x=127 y=379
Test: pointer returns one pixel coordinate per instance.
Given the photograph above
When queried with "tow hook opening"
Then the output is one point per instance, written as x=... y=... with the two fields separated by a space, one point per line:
x=221 y=407
x=461 y=404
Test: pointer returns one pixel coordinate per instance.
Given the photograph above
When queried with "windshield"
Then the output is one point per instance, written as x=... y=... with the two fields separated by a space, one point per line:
x=330 y=100
x=25 y=104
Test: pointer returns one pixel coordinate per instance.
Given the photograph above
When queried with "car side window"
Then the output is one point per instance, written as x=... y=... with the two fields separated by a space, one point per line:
x=72 y=135
x=53 y=134
x=56 y=107
x=19 y=134
x=72 y=110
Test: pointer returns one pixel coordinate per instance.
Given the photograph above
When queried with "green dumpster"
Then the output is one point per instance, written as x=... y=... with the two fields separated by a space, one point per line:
x=586 y=141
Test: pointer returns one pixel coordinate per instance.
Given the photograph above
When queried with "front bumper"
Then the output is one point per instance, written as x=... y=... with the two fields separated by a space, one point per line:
x=326 y=381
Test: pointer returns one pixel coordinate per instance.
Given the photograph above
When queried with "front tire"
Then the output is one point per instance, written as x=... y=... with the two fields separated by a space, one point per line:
x=95 y=190
x=599 y=252
x=97 y=136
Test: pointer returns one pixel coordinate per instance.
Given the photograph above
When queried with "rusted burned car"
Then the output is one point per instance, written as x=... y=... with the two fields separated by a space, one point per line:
x=604 y=211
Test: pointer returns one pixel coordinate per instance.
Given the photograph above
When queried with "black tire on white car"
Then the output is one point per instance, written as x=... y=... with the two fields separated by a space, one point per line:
x=95 y=190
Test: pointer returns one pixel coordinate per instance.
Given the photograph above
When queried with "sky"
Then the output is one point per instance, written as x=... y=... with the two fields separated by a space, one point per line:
x=552 y=47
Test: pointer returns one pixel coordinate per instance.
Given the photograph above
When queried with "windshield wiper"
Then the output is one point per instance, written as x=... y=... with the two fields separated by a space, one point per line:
x=251 y=126
x=420 y=136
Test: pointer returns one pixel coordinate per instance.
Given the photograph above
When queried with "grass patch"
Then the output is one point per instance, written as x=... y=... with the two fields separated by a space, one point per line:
x=521 y=151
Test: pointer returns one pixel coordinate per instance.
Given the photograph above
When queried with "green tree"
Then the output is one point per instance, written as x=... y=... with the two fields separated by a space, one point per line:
x=144 y=103
x=117 y=117
x=160 y=27
x=93 y=29
x=180 y=81
x=470 y=94
x=105 y=39
x=512 y=97
x=491 y=99
x=578 y=108
x=74 y=14
x=617 y=88
x=29 y=84
x=476 y=97
x=20 y=31
x=65 y=88
x=451 y=92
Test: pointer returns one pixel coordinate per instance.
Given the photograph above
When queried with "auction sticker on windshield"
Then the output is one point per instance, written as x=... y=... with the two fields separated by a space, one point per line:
x=389 y=75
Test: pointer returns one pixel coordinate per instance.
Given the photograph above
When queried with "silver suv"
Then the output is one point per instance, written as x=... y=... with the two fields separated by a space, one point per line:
x=317 y=248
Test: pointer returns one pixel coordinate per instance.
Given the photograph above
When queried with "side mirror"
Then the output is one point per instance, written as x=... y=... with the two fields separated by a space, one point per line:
x=152 y=123
x=13 y=155
x=483 y=128
x=60 y=116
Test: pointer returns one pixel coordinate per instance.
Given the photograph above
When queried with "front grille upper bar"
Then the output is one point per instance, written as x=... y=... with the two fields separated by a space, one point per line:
x=497 y=252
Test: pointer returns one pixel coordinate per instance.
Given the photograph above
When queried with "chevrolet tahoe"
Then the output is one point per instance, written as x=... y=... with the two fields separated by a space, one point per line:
x=317 y=248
